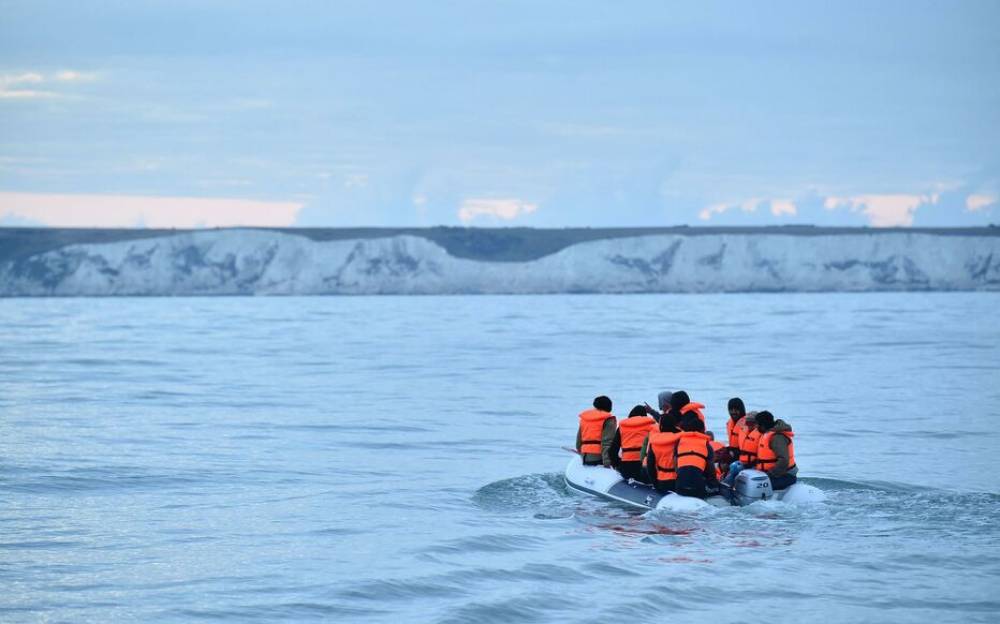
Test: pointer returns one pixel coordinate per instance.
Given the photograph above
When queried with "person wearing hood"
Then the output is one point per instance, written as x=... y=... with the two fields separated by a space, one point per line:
x=776 y=451
x=629 y=439
x=663 y=402
x=596 y=434
x=694 y=459
x=659 y=454
x=737 y=421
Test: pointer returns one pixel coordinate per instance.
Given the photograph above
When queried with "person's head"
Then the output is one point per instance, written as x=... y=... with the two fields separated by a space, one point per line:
x=751 y=420
x=668 y=422
x=602 y=403
x=638 y=410
x=678 y=400
x=663 y=400
x=691 y=422
x=736 y=408
x=765 y=420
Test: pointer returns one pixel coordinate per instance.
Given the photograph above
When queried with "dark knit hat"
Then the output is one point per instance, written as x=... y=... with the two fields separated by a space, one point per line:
x=765 y=420
x=678 y=400
x=638 y=410
x=691 y=422
x=603 y=403
x=668 y=421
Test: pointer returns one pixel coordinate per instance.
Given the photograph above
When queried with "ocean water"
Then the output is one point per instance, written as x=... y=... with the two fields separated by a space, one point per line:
x=397 y=459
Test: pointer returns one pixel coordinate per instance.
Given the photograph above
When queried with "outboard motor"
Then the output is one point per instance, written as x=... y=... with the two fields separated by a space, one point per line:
x=751 y=486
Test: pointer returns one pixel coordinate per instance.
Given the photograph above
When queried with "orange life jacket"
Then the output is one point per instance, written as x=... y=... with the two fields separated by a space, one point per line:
x=591 y=426
x=766 y=458
x=692 y=450
x=748 y=447
x=733 y=430
x=663 y=445
x=633 y=430
x=696 y=408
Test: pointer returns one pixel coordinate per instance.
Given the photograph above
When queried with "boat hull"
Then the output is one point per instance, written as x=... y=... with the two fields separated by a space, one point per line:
x=608 y=484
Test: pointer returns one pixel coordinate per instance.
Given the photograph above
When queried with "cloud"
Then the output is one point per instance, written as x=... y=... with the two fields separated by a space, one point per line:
x=131 y=211
x=69 y=75
x=15 y=86
x=710 y=211
x=975 y=203
x=883 y=210
x=747 y=206
x=783 y=206
x=494 y=209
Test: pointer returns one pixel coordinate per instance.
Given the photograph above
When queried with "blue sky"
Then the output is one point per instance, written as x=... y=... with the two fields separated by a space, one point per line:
x=503 y=113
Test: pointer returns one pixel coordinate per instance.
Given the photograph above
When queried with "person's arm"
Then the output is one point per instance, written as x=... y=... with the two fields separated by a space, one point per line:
x=779 y=444
x=579 y=440
x=607 y=439
x=643 y=449
x=652 y=412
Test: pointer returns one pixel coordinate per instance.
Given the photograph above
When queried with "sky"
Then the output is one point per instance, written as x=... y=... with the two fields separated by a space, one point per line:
x=522 y=113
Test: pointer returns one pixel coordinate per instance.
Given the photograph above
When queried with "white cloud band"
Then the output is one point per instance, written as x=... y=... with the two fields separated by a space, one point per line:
x=131 y=211
x=494 y=209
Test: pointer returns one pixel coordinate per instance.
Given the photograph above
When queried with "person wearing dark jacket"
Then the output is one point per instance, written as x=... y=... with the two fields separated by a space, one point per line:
x=596 y=433
x=658 y=454
x=695 y=459
x=776 y=451
x=629 y=439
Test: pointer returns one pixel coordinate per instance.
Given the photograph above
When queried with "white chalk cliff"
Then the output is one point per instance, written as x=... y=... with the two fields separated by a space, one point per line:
x=260 y=262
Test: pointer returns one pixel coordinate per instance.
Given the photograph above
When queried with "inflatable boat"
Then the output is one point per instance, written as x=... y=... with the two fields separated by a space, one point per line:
x=751 y=486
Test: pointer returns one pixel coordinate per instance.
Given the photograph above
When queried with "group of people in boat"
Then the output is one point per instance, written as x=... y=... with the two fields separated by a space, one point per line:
x=671 y=450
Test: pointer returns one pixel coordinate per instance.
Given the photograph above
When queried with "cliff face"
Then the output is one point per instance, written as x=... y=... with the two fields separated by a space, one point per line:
x=261 y=262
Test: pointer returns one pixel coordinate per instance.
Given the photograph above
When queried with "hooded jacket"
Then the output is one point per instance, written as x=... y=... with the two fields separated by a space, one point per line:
x=779 y=444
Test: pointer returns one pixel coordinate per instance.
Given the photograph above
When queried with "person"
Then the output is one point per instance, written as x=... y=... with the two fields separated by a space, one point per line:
x=632 y=433
x=659 y=454
x=680 y=403
x=737 y=414
x=745 y=453
x=748 y=441
x=596 y=433
x=663 y=402
x=694 y=458
x=721 y=453
x=776 y=451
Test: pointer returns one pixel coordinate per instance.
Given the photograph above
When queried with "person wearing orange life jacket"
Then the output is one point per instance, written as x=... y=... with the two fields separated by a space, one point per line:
x=718 y=451
x=680 y=403
x=747 y=440
x=776 y=451
x=631 y=434
x=596 y=433
x=736 y=422
x=659 y=454
x=694 y=459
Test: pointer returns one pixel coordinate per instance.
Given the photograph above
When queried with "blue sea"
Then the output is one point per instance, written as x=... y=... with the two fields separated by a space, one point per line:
x=398 y=459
